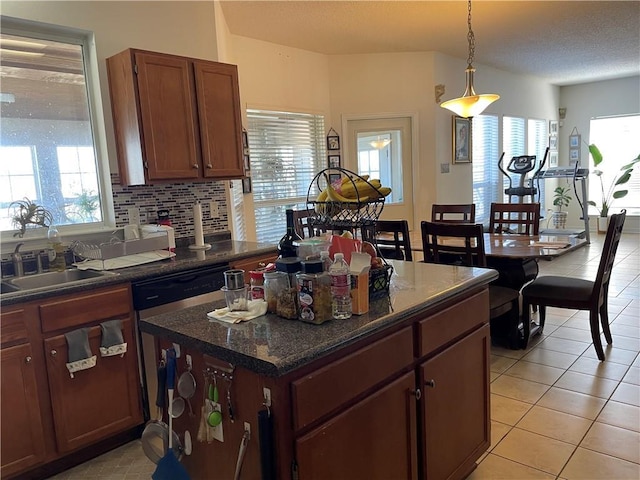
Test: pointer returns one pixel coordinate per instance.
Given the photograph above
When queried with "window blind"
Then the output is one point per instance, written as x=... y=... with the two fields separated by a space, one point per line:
x=486 y=189
x=287 y=151
x=538 y=140
x=237 y=209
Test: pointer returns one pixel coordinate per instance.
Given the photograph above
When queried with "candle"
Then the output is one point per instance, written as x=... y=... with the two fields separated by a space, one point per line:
x=197 y=223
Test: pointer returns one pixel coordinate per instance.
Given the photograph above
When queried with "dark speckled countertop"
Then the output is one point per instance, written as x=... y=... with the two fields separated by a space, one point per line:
x=273 y=346
x=185 y=259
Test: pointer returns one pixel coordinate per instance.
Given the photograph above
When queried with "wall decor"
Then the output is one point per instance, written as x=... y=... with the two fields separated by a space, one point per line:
x=553 y=159
x=574 y=141
x=247 y=163
x=246 y=185
x=333 y=141
x=334 y=178
x=245 y=141
x=574 y=156
x=553 y=127
x=461 y=135
x=334 y=161
x=553 y=143
x=574 y=146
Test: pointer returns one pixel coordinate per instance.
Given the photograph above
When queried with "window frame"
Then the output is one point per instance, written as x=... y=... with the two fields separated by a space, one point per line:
x=85 y=39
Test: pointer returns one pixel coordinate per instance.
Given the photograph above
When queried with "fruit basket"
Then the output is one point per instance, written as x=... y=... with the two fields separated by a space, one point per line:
x=346 y=199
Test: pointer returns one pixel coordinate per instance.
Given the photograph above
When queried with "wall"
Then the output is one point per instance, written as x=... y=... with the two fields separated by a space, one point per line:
x=181 y=28
x=597 y=99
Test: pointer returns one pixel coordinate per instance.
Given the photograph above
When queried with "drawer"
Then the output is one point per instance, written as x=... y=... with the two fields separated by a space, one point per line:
x=77 y=310
x=453 y=322
x=329 y=387
x=14 y=327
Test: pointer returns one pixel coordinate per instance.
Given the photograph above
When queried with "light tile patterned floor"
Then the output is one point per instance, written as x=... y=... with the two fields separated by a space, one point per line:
x=556 y=411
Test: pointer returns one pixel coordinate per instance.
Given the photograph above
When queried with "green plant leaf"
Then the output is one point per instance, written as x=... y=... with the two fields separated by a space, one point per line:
x=620 y=193
x=624 y=178
x=595 y=154
x=592 y=203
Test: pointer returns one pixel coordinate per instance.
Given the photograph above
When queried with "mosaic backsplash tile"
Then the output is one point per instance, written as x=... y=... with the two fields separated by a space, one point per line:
x=178 y=198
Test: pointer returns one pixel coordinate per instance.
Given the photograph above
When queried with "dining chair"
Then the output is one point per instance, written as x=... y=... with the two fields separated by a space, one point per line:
x=396 y=244
x=465 y=243
x=301 y=223
x=453 y=213
x=524 y=216
x=578 y=293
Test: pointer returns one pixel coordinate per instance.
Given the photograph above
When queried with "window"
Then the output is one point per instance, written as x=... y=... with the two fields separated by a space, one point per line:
x=287 y=151
x=486 y=176
x=49 y=131
x=617 y=139
x=519 y=137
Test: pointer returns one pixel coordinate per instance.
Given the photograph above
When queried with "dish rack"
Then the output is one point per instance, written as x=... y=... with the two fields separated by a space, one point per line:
x=115 y=248
x=341 y=215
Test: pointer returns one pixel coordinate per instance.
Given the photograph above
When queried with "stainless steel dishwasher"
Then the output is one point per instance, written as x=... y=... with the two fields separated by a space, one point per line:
x=165 y=294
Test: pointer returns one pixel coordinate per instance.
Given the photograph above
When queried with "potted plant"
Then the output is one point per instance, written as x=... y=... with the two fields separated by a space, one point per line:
x=26 y=212
x=561 y=198
x=610 y=193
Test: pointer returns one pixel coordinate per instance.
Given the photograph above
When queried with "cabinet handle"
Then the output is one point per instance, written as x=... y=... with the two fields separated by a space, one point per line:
x=28 y=359
x=195 y=165
x=209 y=166
x=417 y=393
x=53 y=353
x=430 y=383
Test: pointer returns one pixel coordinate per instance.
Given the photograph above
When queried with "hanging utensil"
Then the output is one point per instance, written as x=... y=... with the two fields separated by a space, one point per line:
x=215 y=417
x=187 y=386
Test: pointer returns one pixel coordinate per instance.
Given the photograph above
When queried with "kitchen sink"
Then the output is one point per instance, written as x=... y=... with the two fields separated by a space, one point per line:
x=50 y=279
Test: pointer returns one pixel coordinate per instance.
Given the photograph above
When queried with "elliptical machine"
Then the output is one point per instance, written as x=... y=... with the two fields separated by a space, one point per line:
x=521 y=165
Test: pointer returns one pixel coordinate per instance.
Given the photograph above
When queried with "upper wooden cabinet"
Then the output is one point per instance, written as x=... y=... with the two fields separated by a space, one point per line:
x=175 y=118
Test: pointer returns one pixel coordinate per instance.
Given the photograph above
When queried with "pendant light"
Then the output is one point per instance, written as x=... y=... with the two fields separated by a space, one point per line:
x=380 y=143
x=470 y=104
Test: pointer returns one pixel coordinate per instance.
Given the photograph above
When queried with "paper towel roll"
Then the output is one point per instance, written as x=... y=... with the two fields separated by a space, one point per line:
x=197 y=224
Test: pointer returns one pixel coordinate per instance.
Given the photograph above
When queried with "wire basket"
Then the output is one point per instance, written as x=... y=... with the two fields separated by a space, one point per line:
x=341 y=212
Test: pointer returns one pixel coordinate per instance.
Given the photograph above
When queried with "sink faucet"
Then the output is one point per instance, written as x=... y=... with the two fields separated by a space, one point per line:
x=16 y=258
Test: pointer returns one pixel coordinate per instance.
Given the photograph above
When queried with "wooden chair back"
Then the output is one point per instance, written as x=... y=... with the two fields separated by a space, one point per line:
x=396 y=248
x=525 y=217
x=453 y=213
x=301 y=223
x=611 y=242
x=463 y=245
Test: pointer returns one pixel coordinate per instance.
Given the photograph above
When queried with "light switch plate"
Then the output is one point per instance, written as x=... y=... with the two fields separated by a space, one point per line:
x=134 y=215
x=213 y=209
x=444 y=168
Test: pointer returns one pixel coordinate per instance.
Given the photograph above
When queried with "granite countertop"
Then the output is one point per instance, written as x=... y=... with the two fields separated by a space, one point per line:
x=272 y=346
x=185 y=259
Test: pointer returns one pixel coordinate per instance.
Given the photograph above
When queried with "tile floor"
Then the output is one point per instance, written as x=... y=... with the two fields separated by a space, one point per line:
x=556 y=411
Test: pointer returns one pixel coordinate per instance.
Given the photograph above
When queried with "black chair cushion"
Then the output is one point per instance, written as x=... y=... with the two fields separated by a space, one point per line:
x=559 y=288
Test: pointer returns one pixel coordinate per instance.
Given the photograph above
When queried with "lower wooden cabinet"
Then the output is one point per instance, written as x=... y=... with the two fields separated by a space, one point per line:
x=46 y=414
x=374 y=439
x=456 y=418
x=22 y=445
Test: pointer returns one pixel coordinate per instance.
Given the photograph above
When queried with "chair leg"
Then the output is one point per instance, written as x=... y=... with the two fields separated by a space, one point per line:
x=604 y=319
x=595 y=333
x=541 y=317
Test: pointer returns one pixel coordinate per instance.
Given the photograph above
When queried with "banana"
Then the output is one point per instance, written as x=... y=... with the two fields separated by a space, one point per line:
x=320 y=200
x=359 y=189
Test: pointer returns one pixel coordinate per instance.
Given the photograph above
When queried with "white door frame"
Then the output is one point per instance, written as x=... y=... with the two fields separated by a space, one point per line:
x=415 y=148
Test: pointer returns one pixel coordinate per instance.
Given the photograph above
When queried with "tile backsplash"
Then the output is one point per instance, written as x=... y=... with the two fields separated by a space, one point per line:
x=179 y=199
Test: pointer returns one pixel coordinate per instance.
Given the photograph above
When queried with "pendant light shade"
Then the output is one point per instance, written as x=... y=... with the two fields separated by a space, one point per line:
x=470 y=104
x=380 y=143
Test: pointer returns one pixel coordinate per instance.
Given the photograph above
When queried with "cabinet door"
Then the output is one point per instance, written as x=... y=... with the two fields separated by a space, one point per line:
x=97 y=402
x=22 y=444
x=374 y=439
x=218 y=97
x=455 y=408
x=253 y=263
x=169 y=119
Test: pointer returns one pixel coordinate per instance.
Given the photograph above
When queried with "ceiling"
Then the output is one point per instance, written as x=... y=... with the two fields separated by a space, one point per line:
x=563 y=42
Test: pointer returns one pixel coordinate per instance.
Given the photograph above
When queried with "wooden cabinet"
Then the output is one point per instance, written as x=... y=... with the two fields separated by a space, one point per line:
x=22 y=445
x=374 y=439
x=253 y=263
x=175 y=118
x=454 y=438
x=46 y=414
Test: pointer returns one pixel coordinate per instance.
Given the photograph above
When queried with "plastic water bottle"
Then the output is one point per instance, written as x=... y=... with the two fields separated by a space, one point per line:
x=340 y=287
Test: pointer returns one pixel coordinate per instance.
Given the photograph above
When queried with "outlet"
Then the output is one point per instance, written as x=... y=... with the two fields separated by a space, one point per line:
x=134 y=215
x=213 y=209
x=444 y=168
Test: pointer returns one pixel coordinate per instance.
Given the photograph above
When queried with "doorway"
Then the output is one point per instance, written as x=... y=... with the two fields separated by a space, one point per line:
x=382 y=147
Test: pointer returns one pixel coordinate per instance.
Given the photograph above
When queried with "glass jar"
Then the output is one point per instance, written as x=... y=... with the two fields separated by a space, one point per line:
x=274 y=282
x=288 y=306
x=314 y=293
x=257 y=284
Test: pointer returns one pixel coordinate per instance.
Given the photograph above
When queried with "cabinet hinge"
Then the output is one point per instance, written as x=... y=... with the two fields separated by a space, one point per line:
x=294 y=470
x=135 y=69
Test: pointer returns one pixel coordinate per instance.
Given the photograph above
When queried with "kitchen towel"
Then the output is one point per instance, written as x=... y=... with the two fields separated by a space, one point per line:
x=80 y=356
x=112 y=340
x=256 y=308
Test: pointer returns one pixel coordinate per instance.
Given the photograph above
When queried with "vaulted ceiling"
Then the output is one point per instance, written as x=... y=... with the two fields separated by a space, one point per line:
x=563 y=42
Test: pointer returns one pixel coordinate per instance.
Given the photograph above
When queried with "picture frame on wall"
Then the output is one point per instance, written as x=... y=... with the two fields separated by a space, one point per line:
x=553 y=159
x=245 y=142
x=333 y=142
x=553 y=127
x=574 y=141
x=334 y=161
x=247 y=163
x=574 y=156
x=334 y=178
x=461 y=135
x=553 y=143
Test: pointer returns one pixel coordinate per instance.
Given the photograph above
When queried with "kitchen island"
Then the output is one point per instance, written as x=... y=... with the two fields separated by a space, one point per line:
x=399 y=392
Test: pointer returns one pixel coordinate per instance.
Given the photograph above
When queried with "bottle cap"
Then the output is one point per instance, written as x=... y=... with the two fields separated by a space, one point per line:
x=289 y=265
x=312 y=266
x=338 y=256
x=256 y=274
